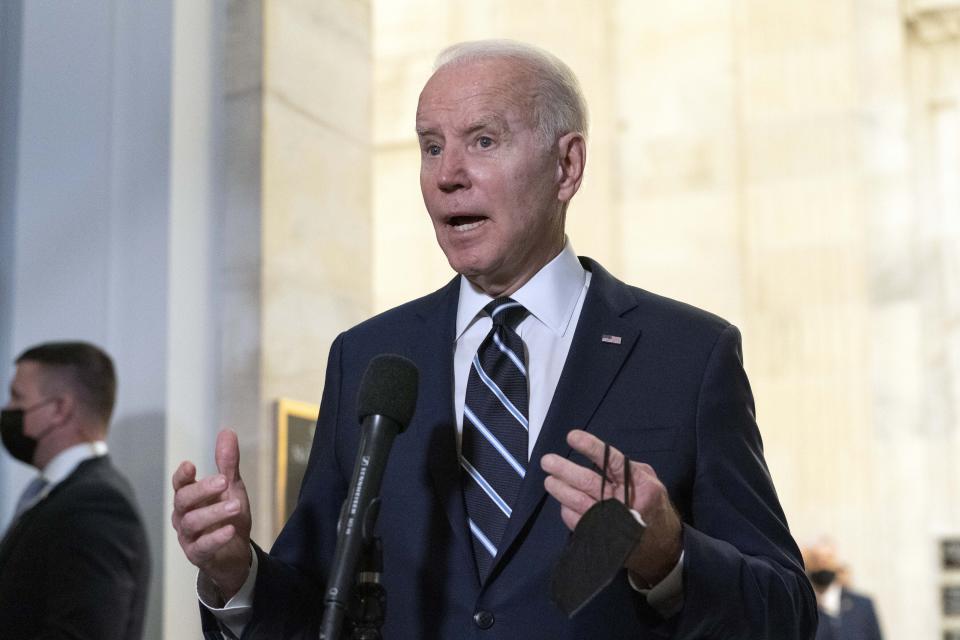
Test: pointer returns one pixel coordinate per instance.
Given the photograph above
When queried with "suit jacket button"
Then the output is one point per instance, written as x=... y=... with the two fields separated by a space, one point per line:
x=483 y=619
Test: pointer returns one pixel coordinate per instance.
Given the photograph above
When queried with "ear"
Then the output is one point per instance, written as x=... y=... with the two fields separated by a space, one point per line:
x=65 y=407
x=571 y=159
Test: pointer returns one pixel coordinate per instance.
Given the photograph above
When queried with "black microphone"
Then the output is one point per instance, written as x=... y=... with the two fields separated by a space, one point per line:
x=387 y=399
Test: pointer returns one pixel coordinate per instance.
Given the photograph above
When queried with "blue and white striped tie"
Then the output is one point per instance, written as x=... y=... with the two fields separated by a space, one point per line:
x=494 y=444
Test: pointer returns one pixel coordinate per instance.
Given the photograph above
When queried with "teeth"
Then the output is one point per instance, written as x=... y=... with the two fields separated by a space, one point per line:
x=468 y=227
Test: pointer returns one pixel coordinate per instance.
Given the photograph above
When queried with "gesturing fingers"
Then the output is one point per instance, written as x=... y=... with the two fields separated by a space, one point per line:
x=227 y=455
x=196 y=494
x=576 y=488
x=198 y=521
x=185 y=474
x=203 y=549
x=595 y=450
x=572 y=474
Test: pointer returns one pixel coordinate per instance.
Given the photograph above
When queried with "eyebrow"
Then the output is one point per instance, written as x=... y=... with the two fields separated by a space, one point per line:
x=484 y=122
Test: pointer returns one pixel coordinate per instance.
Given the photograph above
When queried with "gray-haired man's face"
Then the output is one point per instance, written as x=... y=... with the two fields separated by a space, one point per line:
x=489 y=183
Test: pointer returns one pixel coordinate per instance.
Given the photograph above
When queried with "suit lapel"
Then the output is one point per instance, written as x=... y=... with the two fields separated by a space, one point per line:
x=438 y=318
x=590 y=369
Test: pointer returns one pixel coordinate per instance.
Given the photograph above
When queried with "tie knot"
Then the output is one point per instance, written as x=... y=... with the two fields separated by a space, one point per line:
x=506 y=312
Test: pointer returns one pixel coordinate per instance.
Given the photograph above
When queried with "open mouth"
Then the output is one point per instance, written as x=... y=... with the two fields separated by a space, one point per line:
x=466 y=223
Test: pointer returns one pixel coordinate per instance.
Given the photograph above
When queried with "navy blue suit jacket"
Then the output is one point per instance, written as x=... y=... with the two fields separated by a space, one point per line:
x=672 y=394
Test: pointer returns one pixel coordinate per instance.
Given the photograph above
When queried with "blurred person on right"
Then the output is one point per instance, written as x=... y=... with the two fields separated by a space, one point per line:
x=844 y=614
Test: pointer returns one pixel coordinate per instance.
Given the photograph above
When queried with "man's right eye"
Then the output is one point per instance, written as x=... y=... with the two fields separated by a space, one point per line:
x=432 y=149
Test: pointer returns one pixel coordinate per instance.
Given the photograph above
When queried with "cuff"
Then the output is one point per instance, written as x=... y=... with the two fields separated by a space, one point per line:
x=237 y=611
x=666 y=597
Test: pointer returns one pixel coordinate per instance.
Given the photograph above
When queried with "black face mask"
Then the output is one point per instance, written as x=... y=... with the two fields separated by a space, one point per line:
x=823 y=578
x=18 y=444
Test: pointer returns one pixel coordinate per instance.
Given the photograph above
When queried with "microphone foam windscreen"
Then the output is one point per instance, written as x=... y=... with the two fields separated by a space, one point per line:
x=389 y=388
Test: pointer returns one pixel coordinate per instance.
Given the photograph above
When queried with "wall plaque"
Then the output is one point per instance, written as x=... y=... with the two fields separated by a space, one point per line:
x=296 y=424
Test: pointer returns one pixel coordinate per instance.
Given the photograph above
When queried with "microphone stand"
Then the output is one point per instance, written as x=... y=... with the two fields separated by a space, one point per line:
x=367 y=610
x=369 y=596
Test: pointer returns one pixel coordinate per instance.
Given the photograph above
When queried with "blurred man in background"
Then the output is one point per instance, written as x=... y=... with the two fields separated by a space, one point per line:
x=74 y=562
x=844 y=613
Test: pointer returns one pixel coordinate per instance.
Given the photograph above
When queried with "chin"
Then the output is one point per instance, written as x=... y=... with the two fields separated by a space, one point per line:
x=464 y=262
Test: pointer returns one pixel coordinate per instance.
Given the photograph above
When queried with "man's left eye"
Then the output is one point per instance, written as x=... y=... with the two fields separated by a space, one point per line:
x=485 y=141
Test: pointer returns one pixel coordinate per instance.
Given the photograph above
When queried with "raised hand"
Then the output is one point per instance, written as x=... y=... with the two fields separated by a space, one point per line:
x=212 y=517
x=578 y=488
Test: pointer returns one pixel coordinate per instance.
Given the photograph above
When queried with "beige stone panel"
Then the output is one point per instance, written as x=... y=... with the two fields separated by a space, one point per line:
x=316 y=246
x=407 y=262
x=684 y=247
x=912 y=498
x=402 y=28
x=897 y=368
x=690 y=163
x=813 y=437
x=800 y=148
x=821 y=211
x=879 y=51
x=813 y=340
x=315 y=52
x=676 y=92
x=652 y=29
x=398 y=81
x=764 y=27
x=798 y=83
x=885 y=149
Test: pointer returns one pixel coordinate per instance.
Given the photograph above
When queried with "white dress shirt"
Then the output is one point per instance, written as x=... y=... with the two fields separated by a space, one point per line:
x=59 y=468
x=65 y=462
x=554 y=297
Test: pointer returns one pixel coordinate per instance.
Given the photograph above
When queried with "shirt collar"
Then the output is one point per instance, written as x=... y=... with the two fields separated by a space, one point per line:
x=830 y=599
x=63 y=464
x=550 y=295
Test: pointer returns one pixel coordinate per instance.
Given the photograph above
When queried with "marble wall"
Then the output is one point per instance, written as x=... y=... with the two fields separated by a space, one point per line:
x=316 y=225
x=790 y=166
x=181 y=183
x=794 y=167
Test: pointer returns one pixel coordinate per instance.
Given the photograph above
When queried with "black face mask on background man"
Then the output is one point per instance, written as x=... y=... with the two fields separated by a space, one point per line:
x=19 y=444
x=823 y=578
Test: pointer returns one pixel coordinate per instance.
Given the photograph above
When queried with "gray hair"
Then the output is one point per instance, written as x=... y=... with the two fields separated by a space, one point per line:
x=558 y=103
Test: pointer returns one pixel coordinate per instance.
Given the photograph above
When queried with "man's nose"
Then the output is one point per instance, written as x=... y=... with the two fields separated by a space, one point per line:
x=453 y=173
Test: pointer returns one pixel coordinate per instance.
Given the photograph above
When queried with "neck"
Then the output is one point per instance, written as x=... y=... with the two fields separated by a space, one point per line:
x=501 y=287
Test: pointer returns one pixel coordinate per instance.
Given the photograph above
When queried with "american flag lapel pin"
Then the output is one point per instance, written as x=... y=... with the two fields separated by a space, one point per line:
x=611 y=339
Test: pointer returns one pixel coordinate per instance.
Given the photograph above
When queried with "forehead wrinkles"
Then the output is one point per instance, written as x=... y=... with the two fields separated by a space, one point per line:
x=508 y=97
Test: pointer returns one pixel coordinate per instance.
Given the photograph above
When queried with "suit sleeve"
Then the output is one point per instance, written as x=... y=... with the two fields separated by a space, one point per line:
x=743 y=576
x=288 y=597
x=93 y=576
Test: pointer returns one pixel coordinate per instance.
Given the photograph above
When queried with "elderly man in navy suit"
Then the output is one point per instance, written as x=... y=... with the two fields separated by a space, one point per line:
x=531 y=360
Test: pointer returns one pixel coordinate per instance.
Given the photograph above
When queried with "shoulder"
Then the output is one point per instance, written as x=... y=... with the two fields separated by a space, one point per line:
x=96 y=490
x=857 y=599
x=658 y=317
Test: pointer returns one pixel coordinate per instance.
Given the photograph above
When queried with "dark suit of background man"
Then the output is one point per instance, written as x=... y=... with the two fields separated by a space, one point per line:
x=502 y=129
x=74 y=562
x=844 y=613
